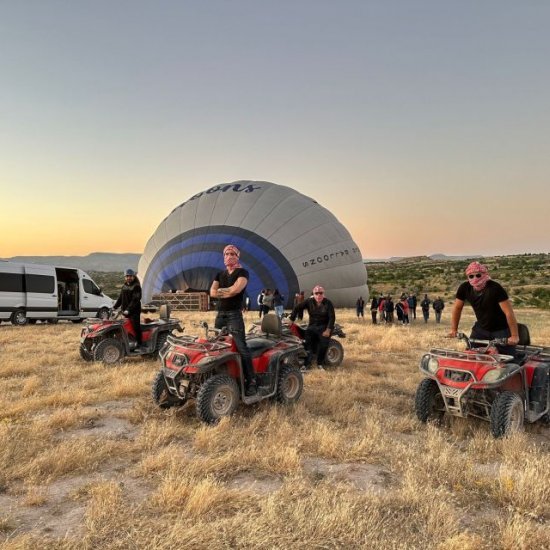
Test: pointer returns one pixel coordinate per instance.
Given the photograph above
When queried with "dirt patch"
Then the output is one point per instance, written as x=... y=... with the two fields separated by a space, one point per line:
x=259 y=486
x=364 y=477
x=62 y=513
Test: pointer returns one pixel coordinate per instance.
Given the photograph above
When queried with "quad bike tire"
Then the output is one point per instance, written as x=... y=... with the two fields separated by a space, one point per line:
x=507 y=414
x=161 y=340
x=110 y=351
x=160 y=394
x=335 y=354
x=19 y=318
x=216 y=398
x=289 y=385
x=86 y=354
x=429 y=403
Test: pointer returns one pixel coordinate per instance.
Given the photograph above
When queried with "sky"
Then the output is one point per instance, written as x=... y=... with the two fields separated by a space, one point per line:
x=423 y=126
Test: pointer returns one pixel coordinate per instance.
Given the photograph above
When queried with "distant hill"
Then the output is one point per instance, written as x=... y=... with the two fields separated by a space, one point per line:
x=437 y=257
x=97 y=261
x=526 y=277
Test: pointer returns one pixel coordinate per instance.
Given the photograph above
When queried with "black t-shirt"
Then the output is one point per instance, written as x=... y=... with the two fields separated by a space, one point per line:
x=227 y=279
x=486 y=304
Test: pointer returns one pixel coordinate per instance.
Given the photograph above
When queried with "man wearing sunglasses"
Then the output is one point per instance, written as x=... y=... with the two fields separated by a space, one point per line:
x=495 y=316
x=320 y=327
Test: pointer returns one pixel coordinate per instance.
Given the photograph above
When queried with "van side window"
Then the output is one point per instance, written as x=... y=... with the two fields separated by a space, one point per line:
x=11 y=282
x=90 y=287
x=43 y=284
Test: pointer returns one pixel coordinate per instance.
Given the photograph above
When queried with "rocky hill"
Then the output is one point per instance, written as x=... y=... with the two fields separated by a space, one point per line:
x=97 y=261
x=526 y=277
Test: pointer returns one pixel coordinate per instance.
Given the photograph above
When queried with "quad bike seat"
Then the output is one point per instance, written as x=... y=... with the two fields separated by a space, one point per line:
x=271 y=325
x=258 y=345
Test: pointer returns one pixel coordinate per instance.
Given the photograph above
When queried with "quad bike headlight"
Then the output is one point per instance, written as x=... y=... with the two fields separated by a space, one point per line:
x=496 y=374
x=429 y=363
x=179 y=360
x=433 y=365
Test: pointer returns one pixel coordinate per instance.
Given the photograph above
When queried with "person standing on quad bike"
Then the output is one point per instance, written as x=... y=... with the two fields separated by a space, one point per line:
x=321 y=323
x=492 y=308
x=228 y=288
x=129 y=302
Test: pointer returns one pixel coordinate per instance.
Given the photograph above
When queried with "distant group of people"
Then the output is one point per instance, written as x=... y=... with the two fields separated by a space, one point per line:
x=384 y=310
x=270 y=300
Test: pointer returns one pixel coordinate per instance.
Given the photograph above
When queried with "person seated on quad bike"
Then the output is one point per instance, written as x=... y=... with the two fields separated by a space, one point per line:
x=495 y=316
x=321 y=323
x=129 y=302
x=228 y=288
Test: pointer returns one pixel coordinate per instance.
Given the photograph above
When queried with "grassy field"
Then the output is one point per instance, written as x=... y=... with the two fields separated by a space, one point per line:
x=87 y=460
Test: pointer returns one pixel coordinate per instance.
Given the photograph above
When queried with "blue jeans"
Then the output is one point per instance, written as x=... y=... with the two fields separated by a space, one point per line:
x=233 y=320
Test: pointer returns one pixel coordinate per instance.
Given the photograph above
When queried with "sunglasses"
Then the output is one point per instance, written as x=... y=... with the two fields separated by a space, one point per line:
x=318 y=293
x=474 y=275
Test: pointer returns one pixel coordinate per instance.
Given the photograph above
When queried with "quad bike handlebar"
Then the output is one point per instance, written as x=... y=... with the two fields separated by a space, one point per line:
x=493 y=342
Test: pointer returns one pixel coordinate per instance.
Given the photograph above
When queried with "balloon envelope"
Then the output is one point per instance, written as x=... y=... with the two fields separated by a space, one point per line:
x=287 y=241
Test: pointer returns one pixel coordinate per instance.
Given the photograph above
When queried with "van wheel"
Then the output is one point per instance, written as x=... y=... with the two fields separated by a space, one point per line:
x=19 y=318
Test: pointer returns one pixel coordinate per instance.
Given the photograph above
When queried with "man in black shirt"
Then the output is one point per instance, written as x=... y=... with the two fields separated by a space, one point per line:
x=130 y=302
x=228 y=288
x=321 y=323
x=492 y=308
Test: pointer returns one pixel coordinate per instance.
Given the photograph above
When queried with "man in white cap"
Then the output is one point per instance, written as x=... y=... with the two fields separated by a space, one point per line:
x=321 y=324
x=228 y=288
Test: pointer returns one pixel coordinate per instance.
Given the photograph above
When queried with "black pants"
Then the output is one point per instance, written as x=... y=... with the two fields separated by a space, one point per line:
x=315 y=343
x=374 y=313
x=233 y=320
x=479 y=333
x=136 y=324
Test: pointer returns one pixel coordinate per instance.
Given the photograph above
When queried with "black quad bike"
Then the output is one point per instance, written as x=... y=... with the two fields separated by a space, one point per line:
x=505 y=390
x=209 y=370
x=110 y=340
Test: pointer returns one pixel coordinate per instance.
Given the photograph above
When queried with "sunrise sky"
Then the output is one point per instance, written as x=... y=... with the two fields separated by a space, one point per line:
x=423 y=126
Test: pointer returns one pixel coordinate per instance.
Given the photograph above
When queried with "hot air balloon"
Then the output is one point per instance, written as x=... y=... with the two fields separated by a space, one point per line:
x=287 y=241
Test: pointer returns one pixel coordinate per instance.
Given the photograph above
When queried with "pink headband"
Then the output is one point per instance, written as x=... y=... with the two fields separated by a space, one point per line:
x=476 y=267
x=232 y=248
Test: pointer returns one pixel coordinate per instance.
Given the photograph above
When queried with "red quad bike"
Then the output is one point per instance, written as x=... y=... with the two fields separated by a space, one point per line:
x=209 y=370
x=110 y=340
x=502 y=389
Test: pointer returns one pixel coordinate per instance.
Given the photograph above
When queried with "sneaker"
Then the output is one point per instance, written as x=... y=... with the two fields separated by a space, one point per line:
x=251 y=390
x=319 y=366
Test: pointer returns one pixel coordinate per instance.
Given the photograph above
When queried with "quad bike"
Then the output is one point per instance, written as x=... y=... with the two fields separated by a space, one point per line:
x=209 y=370
x=110 y=340
x=505 y=390
x=335 y=350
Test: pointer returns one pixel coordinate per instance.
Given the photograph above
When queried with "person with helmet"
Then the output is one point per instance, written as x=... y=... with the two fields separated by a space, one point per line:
x=228 y=288
x=321 y=324
x=129 y=301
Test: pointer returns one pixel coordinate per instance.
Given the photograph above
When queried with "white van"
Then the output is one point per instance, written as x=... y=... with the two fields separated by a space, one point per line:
x=31 y=292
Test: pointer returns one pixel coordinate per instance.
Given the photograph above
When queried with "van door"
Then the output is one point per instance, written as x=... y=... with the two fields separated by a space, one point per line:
x=41 y=291
x=92 y=300
x=12 y=285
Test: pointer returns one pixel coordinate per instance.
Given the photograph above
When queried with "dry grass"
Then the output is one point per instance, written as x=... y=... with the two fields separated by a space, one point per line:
x=87 y=461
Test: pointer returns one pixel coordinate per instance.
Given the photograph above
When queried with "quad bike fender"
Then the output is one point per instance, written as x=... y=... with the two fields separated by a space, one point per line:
x=228 y=363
